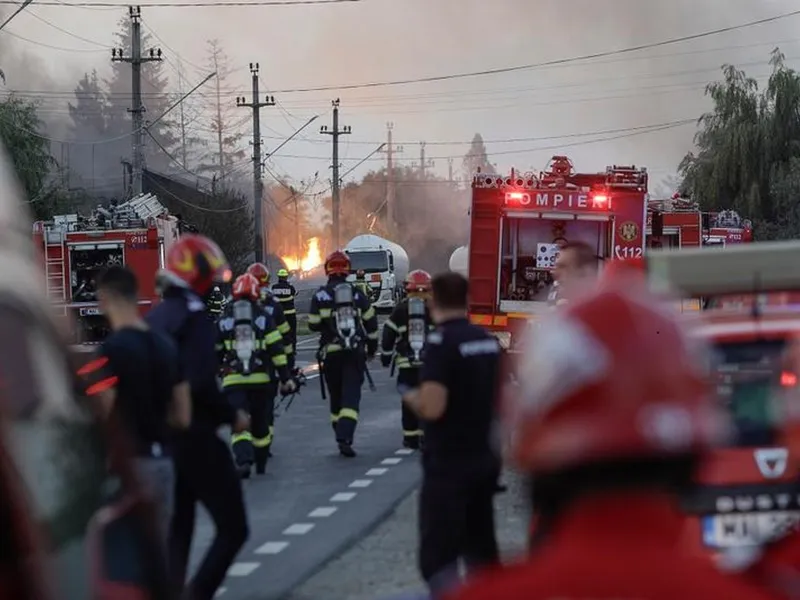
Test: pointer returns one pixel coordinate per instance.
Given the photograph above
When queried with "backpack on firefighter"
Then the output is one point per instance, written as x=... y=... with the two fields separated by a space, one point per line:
x=406 y=330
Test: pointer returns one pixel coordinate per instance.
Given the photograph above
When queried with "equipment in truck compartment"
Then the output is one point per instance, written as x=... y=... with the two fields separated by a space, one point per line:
x=369 y=242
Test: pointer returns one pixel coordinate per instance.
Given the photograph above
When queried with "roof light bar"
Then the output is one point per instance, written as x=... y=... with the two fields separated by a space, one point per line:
x=735 y=269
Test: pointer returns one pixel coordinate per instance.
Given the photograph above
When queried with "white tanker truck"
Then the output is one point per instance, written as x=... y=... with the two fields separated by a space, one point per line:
x=459 y=261
x=385 y=264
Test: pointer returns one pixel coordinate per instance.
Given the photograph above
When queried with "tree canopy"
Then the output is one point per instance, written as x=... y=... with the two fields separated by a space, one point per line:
x=747 y=155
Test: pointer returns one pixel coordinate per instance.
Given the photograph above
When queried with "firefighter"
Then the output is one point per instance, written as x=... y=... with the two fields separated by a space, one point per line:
x=361 y=283
x=251 y=354
x=273 y=308
x=348 y=329
x=215 y=301
x=204 y=468
x=404 y=335
x=611 y=440
x=285 y=293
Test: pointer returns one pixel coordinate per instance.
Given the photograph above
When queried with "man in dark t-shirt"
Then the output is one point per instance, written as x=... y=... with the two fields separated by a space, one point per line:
x=135 y=378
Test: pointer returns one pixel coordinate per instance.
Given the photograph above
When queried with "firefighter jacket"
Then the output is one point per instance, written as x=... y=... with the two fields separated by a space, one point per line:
x=182 y=315
x=363 y=287
x=215 y=302
x=322 y=320
x=395 y=337
x=284 y=292
x=273 y=308
x=268 y=358
x=623 y=546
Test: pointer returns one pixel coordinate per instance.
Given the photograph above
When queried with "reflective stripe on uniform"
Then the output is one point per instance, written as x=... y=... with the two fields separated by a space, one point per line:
x=280 y=360
x=290 y=311
x=325 y=313
x=314 y=319
x=244 y=436
x=284 y=328
x=273 y=337
x=251 y=379
x=412 y=432
x=368 y=314
x=263 y=442
x=348 y=413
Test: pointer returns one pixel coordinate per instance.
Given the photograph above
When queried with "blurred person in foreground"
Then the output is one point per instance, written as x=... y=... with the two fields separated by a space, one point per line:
x=576 y=267
x=136 y=377
x=204 y=465
x=53 y=476
x=611 y=439
x=460 y=463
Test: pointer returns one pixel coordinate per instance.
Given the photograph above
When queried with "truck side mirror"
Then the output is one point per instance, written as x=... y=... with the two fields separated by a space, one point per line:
x=391 y=261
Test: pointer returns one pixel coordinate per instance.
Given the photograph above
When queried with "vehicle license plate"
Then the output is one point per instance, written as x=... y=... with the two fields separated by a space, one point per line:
x=728 y=531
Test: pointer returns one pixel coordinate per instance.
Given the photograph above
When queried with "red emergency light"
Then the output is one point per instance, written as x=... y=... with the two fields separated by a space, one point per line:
x=788 y=379
x=601 y=200
x=517 y=196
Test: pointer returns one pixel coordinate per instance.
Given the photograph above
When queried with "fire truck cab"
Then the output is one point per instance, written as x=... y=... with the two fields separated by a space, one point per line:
x=75 y=249
x=748 y=491
x=520 y=222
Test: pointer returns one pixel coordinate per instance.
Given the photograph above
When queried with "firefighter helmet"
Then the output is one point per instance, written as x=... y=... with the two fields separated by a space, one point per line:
x=589 y=394
x=283 y=274
x=196 y=262
x=418 y=281
x=246 y=287
x=337 y=263
x=260 y=272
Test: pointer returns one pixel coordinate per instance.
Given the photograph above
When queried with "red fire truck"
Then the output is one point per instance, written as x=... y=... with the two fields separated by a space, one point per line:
x=518 y=223
x=679 y=223
x=76 y=249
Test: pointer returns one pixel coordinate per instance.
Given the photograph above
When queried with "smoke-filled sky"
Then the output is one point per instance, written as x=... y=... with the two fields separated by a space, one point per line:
x=373 y=40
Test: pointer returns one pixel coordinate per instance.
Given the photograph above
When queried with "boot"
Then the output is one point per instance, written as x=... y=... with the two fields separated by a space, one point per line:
x=411 y=442
x=244 y=470
x=346 y=449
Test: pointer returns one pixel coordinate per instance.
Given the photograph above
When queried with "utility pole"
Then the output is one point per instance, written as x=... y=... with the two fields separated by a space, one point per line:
x=137 y=111
x=335 y=132
x=390 y=195
x=183 y=120
x=261 y=245
x=423 y=165
x=450 y=170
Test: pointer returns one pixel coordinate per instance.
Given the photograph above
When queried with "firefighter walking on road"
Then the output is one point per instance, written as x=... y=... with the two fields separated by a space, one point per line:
x=361 y=283
x=348 y=329
x=404 y=335
x=273 y=308
x=285 y=293
x=215 y=301
x=252 y=358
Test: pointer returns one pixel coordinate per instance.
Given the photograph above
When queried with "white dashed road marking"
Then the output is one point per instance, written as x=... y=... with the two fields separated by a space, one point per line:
x=404 y=451
x=242 y=569
x=343 y=497
x=361 y=483
x=298 y=529
x=272 y=548
x=391 y=461
x=323 y=511
x=375 y=472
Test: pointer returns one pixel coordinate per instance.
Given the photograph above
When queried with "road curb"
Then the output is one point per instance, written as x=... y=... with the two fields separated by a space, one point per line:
x=349 y=542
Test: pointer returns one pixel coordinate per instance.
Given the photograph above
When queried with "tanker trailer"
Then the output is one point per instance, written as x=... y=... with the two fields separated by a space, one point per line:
x=385 y=265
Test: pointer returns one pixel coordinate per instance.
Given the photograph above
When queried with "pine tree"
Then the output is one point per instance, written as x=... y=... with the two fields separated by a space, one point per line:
x=477 y=159
x=88 y=113
x=155 y=98
x=224 y=152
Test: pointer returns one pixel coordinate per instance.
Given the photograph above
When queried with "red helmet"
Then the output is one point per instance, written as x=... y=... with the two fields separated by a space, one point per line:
x=418 y=281
x=260 y=272
x=198 y=263
x=337 y=263
x=589 y=392
x=246 y=287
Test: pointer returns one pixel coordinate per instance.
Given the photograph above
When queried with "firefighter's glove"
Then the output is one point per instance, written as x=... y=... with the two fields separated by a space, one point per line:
x=386 y=360
x=288 y=387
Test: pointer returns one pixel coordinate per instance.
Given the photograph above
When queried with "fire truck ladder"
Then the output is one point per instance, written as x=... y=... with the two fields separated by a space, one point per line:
x=55 y=274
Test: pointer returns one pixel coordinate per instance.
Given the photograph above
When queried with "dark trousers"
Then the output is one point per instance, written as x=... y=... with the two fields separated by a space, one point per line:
x=205 y=473
x=411 y=428
x=456 y=518
x=344 y=376
x=259 y=402
x=291 y=319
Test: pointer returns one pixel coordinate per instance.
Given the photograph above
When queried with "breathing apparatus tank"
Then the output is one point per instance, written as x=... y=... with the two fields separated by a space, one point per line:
x=244 y=334
x=416 y=326
x=345 y=315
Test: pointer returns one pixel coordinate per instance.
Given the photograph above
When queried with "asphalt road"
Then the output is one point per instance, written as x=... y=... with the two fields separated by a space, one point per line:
x=313 y=504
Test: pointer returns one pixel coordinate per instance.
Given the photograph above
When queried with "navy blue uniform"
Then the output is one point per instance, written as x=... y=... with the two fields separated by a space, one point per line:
x=274 y=309
x=459 y=461
x=343 y=369
x=204 y=466
x=285 y=293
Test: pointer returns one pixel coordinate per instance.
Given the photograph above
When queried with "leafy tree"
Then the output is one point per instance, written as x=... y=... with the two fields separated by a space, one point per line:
x=29 y=151
x=156 y=100
x=748 y=148
x=476 y=159
x=224 y=151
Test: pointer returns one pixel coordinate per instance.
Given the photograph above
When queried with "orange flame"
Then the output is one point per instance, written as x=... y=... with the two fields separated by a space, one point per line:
x=312 y=257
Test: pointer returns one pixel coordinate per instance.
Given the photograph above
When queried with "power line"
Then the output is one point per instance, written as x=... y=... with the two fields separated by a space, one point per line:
x=211 y=3
x=548 y=63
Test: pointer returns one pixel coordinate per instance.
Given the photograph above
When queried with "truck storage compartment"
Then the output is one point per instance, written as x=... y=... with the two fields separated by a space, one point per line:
x=87 y=261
